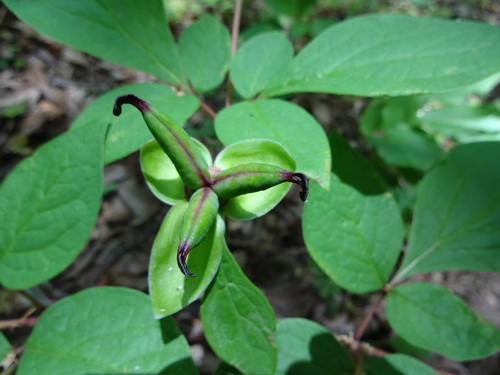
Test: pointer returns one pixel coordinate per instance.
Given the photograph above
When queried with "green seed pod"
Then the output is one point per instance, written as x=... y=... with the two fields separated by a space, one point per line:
x=199 y=217
x=173 y=139
x=253 y=177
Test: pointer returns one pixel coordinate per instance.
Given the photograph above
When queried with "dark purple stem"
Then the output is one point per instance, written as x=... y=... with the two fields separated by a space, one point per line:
x=182 y=253
x=140 y=104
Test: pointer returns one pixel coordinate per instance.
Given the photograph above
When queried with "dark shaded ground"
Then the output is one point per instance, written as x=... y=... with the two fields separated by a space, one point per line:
x=44 y=85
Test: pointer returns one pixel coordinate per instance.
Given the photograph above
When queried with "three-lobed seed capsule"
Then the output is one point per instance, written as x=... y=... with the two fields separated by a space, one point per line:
x=192 y=167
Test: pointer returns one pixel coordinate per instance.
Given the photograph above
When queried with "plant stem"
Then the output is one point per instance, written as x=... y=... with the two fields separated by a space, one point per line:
x=366 y=320
x=14 y=323
x=207 y=109
x=234 y=46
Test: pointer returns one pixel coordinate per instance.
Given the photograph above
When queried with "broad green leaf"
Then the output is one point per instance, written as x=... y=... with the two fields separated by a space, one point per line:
x=256 y=29
x=354 y=238
x=396 y=364
x=5 y=347
x=431 y=317
x=250 y=206
x=354 y=231
x=160 y=173
x=393 y=55
x=305 y=347
x=170 y=290
x=259 y=61
x=133 y=33
x=205 y=49
x=294 y=8
x=465 y=124
x=392 y=126
x=48 y=207
x=407 y=147
x=284 y=123
x=106 y=330
x=128 y=132
x=225 y=369
x=238 y=321
x=456 y=223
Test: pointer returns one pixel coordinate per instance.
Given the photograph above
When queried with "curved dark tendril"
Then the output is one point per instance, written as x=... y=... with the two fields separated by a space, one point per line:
x=302 y=180
x=182 y=253
x=138 y=103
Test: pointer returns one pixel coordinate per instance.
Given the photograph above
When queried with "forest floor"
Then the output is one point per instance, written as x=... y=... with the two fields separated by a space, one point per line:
x=44 y=85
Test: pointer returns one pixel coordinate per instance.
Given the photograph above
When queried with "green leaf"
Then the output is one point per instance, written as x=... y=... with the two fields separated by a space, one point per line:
x=238 y=321
x=392 y=126
x=465 y=124
x=393 y=55
x=354 y=231
x=160 y=173
x=456 y=223
x=396 y=364
x=129 y=132
x=170 y=290
x=284 y=123
x=404 y=146
x=250 y=206
x=294 y=8
x=205 y=49
x=259 y=61
x=354 y=238
x=5 y=347
x=305 y=347
x=133 y=33
x=431 y=317
x=225 y=369
x=48 y=207
x=106 y=330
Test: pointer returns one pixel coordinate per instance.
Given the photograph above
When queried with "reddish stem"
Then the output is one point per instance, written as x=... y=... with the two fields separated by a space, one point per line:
x=208 y=109
x=14 y=323
x=366 y=320
x=234 y=46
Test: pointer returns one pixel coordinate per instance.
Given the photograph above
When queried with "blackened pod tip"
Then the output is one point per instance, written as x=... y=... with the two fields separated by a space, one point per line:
x=302 y=180
x=138 y=103
x=182 y=253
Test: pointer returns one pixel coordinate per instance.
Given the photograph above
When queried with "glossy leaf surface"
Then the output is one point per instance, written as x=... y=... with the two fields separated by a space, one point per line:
x=106 y=330
x=249 y=206
x=259 y=61
x=129 y=132
x=431 y=317
x=205 y=52
x=457 y=214
x=392 y=54
x=354 y=231
x=282 y=122
x=396 y=364
x=170 y=290
x=238 y=321
x=133 y=33
x=48 y=207
x=305 y=347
